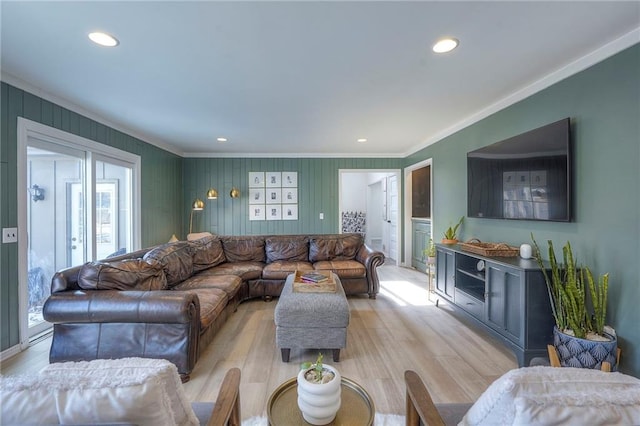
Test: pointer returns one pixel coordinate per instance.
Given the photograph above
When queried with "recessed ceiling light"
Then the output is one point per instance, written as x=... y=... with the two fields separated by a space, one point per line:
x=362 y=140
x=103 y=39
x=221 y=139
x=445 y=45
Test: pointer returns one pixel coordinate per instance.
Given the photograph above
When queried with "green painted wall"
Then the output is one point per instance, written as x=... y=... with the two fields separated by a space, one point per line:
x=161 y=185
x=317 y=193
x=603 y=103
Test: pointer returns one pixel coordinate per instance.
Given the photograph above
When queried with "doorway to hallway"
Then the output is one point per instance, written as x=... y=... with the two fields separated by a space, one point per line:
x=369 y=204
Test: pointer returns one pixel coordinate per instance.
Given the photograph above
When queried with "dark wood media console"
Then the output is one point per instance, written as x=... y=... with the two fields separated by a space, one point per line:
x=505 y=295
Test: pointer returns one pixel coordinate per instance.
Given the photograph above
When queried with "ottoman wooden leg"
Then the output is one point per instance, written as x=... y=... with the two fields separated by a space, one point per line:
x=285 y=354
x=336 y=355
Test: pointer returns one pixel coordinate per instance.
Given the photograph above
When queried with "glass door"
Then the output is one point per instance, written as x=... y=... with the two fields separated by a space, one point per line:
x=81 y=202
x=113 y=207
x=55 y=220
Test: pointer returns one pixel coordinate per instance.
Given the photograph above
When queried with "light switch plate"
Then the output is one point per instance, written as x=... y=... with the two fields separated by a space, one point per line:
x=321 y=216
x=9 y=235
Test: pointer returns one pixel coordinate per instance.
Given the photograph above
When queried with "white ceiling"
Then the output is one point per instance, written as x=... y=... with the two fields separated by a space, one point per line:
x=302 y=78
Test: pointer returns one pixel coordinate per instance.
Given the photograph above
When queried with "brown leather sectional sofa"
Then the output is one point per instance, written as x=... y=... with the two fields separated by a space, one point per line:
x=170 y=300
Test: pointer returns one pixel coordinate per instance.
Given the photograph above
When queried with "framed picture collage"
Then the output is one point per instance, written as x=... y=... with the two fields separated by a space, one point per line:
x=273 y=195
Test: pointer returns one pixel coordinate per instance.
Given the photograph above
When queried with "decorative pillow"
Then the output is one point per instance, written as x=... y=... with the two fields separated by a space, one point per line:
x=197 y=235
x=563 y=395
x=130 y=274
x=343 y=247
x=207 y=252
x=287 y=248
x=176 y=260
x=243 y=249
x=133 y=390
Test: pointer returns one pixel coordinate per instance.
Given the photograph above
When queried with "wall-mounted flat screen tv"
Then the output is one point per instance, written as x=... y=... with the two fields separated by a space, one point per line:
x=526 y=177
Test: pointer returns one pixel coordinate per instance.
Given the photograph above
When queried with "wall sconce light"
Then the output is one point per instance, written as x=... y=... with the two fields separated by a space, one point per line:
x=197 y=205
x=235 y=192
x=212 y=194
x=37 y=193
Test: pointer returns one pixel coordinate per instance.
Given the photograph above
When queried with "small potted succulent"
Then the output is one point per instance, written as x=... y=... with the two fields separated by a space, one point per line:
x=319 y=392
x=430 y=252
x=451 y=234
x=580 y=335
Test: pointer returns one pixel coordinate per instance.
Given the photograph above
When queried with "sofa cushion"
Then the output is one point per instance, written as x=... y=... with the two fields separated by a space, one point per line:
x=339 y=247
x=550 y=395
x=212 y=303
x=176 y=260
x=245 y=270
x=207 y=252
x=132 y=390
x=244 y=249
x=279 y=270
x=131 y=274
x=290 y=248
x=343 y=268
x=230 y=284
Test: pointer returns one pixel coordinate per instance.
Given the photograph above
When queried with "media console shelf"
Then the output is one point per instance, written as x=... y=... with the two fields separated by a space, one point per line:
x=505 y=295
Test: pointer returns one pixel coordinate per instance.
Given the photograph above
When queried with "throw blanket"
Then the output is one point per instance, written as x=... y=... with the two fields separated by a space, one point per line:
x=558 y=396
x=135 y=390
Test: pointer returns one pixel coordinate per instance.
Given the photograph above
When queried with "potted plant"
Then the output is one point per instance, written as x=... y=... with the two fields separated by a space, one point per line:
x=319 y=391
x=450 y=235
x=580 y=335
x=430 y=252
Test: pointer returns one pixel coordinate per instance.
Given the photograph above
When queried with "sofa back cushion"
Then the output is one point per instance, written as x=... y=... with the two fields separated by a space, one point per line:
x=289 y=248
x=244 y=249
x=131 y=274
x=176 y=260
x=334 y=247
x=207 y=252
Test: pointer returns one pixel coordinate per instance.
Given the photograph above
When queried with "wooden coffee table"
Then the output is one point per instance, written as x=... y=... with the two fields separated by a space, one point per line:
x=356 y=409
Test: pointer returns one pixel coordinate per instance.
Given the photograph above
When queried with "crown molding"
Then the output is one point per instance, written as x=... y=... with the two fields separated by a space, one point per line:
x=590 y=59
x=288 y=155
x=65 y=103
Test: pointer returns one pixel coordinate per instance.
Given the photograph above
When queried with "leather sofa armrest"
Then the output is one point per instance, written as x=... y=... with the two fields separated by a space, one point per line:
x=371 y=259
x=103 y=306
x=67 y=279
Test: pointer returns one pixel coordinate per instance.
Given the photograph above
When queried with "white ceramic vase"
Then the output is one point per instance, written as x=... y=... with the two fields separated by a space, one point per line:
x=526 y=251
x=319 y=402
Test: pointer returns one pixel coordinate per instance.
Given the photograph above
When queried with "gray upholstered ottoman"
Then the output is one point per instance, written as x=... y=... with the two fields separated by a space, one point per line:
x=311 y=320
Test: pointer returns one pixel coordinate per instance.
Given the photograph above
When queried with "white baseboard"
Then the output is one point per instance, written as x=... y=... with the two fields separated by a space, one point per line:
x=8 y=353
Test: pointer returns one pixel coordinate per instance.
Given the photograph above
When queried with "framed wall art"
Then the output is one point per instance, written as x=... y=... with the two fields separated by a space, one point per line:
x=256 y=196
x=256 y=179
x=256 y=212
x=273 y=195
x=273 y=179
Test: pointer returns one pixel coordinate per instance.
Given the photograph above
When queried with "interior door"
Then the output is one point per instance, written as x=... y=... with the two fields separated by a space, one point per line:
x=393 y=216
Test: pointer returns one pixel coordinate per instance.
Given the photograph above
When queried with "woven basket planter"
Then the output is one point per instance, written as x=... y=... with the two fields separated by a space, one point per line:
x=583 y=353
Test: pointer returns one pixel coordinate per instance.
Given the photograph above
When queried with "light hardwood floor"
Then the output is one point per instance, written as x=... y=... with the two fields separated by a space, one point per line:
x=399 y=330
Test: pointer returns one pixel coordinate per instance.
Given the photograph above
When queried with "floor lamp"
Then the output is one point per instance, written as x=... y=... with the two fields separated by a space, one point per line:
x=197 y=205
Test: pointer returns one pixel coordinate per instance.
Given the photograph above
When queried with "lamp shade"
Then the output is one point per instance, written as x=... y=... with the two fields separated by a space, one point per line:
x=198 y=204
x=235 y=192
x=212 y=194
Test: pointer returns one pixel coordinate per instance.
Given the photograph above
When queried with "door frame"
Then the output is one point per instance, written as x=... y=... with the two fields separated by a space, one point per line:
x=30 y=129
x=408 y=234
x=398 y=174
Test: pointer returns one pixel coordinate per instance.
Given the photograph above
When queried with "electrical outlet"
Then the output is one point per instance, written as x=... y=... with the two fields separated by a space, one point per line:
x=321 y=216
x=9 y=235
